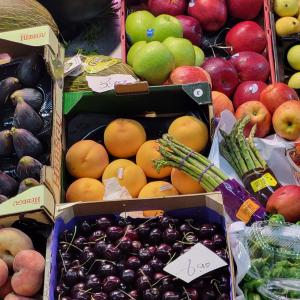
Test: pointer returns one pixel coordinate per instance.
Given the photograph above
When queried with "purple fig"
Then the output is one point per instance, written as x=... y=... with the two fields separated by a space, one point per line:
x=3 y=198
x=31 y=70
x=26 y=117
x=32 y=97
x=7 y=87
x=25 y=143
x=8 y=185
x=29 y=167
x=27 y=184
x=6 y=143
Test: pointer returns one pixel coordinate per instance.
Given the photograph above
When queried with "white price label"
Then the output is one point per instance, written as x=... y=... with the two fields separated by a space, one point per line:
x=72 y=65
x=196 y=262
x=102 y=84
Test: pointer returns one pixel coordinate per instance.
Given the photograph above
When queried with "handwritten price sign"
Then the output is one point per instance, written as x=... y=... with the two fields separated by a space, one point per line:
x=102 y=84
x=198 y=261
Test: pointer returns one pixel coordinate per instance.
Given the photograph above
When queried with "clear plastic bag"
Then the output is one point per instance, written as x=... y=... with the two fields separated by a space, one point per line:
x=268 y=259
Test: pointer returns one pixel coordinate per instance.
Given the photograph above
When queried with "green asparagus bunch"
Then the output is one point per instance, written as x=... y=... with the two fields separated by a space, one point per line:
x=194 y=164
x=239 y=151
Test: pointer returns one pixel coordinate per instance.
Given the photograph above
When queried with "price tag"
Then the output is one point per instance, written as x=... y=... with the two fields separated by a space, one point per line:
x=72 y=65
x=102 y=84
x=263 y=182
x=247 y=210
x=198 y=261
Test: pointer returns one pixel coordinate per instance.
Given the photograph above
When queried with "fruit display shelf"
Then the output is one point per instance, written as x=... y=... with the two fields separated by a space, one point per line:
x=213 y=43
x=281 y=47
x=30 y=118
x=87 y=117
x=205 y=209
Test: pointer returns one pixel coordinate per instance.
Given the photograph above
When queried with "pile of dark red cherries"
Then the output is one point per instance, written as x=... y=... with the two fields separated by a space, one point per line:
x=113 y=258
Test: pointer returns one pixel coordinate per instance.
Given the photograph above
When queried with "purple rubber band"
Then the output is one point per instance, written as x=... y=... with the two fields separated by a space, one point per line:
x=185 y=159
x=204 y=171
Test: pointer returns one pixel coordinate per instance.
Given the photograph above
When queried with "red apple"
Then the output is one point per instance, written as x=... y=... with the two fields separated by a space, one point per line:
x=259 y=115
x=170 y=7
x=275 y=94
x=223 y=75
x=244 y=9
x=286 y=201
x=251 y=66
x=286 y=120
x=247 y=91
x=246 y=36
x=189 y=74
x=212 y=15
x=191 y=29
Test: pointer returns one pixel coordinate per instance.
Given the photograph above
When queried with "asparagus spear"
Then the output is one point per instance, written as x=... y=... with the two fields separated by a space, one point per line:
x=226 y=154
x=254 y=149
x=245 y=153
x=240 y=167
x=197 y=156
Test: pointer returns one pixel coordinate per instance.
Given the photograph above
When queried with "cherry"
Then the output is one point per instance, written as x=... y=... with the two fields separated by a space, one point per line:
x=134 y=294
x=222 y=254
x=77 y=287
x=133 y=263
x=143 y=283
x=170 y=235
x=209 y=295
x=166 y=222
x=121 y=265
x=206 y=231
x=110 y=283
x=218 y=241
x=71 y=277
x=94 y=284
x=117 y=295
x=99 y=296
x=145 y=270
x=85 y=228
x=167 y=284
x=178 y=247
x=96 y=236
x=170 y=295
x=136 y=246
x=114 y=232
x=144 y=254
x=125 y=244
x=192 y=294
x=185 y=228
x=81 y=295
x=99 y=248
x=151 y=294
x=155 y=236
x=111 y=252
x=164 y=252
x=143 y=231
x=131 y=233
x=156 y=264
x=128 y=276
x=87 y=258
x=103 y=223
x=62 y=289
x=208 y=243
x=159 y=276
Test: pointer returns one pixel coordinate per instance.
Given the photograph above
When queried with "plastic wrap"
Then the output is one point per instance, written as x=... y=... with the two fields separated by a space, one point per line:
x=268 y=260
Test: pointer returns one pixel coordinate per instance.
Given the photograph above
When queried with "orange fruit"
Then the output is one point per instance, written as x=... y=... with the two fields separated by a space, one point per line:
x=86 y=159
x=123 y=137
x=158 y=189
x=184 y=183
x=85 y=189
x=145 y=158
x=190 y=131
x=128 y=174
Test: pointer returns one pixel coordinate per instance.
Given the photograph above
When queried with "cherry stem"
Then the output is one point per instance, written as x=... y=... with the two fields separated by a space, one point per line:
x=100 y=260
x=62 y=261
x=73 y=237
x=71 y=245
x=120 y=240
x=186 y=292
x=154 y=284
x=132 y=298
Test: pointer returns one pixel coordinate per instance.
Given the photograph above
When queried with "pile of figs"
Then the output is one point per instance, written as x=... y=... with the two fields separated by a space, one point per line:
x=21 y=93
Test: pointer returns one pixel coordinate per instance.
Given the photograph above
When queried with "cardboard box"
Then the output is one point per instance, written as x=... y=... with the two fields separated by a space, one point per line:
x=209 y=207
x=280 y=47
x=209 y=39
x=85 y=112
x=20 y=43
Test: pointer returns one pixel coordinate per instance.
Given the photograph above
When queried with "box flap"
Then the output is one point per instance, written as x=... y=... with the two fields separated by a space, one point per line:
x=37 y=201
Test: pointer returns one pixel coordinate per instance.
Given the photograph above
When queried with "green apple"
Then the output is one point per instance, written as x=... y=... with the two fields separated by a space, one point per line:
x=293 y=57
x=182 y=50
x=137 y=25
x=199 y=56
x=163 y=27
x=154 y=62
x=134 y=50
x=294 y=81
